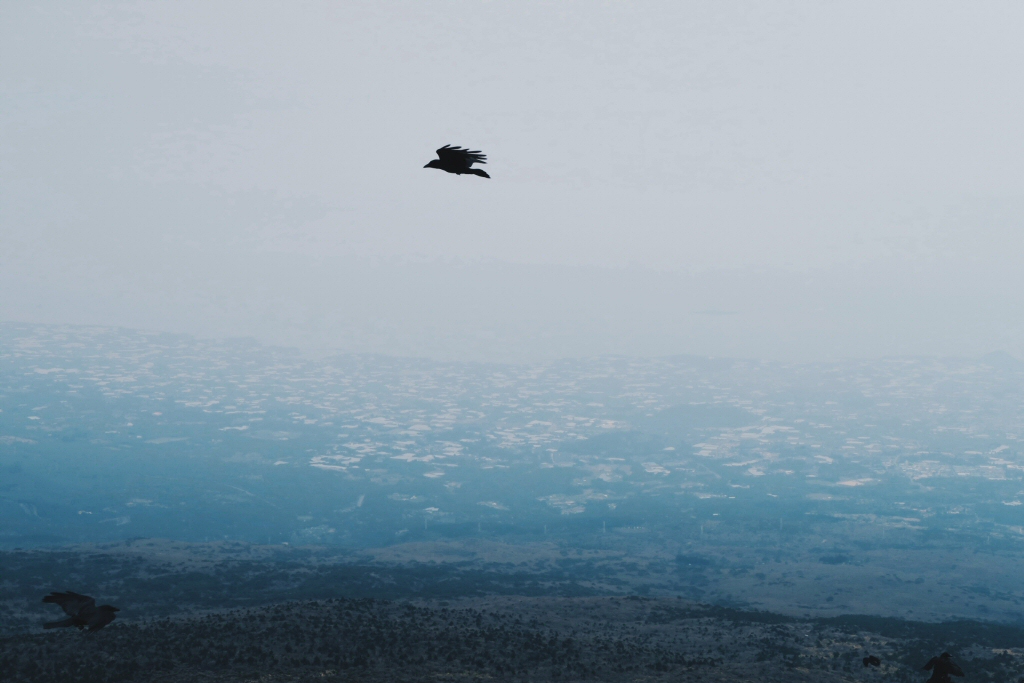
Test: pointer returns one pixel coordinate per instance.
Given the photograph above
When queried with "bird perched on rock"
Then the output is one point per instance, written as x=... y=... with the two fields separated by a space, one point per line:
x=457 y=160
x=872 y=660
x=942 y=667
x=81 y=610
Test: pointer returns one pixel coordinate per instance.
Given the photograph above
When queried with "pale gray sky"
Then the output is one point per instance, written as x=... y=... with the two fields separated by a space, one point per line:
x=768 y=179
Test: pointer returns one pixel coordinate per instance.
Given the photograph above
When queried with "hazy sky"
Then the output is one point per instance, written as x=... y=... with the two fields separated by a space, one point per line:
x=768 y=179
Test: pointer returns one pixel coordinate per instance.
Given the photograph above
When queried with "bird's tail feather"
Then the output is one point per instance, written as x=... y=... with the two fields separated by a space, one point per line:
x=59 y=624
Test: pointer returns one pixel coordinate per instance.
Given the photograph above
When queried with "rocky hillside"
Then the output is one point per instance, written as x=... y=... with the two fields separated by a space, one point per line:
x=507 y=638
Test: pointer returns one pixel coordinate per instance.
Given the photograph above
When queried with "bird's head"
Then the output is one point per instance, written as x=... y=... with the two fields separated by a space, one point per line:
x=946 y=655
x=434 y=163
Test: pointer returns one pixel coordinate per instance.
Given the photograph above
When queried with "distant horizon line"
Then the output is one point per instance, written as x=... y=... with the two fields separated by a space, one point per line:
x=326 y=353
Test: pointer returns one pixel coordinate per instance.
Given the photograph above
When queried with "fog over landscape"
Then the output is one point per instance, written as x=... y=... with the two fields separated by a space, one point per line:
x=717 y=375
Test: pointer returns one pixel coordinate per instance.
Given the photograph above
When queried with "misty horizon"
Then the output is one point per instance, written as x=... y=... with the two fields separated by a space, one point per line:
x=533 y=313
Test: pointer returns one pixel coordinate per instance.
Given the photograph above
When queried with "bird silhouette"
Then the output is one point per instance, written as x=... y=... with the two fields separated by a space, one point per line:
x=942 y=667
x=81 y=610
x=459 y=161
x=872 y=660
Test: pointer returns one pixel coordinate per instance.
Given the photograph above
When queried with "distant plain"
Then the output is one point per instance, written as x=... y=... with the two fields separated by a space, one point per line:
x=179 y=477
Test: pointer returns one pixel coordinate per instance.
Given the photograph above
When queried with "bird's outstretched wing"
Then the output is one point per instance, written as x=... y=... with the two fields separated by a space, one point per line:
x=458 y=155
x=955 y=669
x=931 y=663
x=71 y=602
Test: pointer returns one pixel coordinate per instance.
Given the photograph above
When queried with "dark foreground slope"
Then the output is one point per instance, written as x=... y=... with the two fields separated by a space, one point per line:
x=506 y=638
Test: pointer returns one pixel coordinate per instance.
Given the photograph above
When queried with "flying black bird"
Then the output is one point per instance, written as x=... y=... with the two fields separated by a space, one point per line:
x=81 y=610
x=457 y=160
x=872 y=660
x=942 y=667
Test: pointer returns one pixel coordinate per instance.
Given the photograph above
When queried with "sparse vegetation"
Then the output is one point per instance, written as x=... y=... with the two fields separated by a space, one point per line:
x=516 y=639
